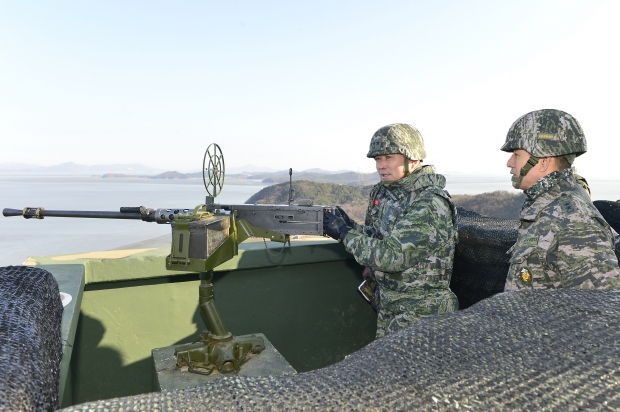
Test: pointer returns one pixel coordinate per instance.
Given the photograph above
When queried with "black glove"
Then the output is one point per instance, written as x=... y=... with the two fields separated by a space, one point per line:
x=335 y=226
x=347 y=220
x=372 y=232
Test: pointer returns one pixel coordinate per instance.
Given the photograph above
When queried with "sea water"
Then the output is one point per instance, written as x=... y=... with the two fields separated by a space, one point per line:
x=20 y=238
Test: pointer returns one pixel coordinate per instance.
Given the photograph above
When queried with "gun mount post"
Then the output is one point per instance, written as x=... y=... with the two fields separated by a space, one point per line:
x=208 y=309
x=290 y=186
x=216 y=348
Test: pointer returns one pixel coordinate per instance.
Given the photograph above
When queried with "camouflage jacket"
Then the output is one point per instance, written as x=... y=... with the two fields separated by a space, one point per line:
x=563 y=241
x=414 y=220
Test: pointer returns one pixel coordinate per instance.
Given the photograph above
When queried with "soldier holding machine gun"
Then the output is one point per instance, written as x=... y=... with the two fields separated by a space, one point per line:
x=407 y=242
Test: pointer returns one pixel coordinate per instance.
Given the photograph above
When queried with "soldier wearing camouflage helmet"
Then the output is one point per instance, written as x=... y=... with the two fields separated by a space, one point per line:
x=563 y=241
x=407 y=241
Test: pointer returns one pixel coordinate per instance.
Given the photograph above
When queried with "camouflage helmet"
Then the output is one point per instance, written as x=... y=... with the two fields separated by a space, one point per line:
x=398 y=138
x=546 y=133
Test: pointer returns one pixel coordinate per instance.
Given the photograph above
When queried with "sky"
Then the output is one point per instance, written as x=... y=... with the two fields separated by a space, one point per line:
x=284 y=84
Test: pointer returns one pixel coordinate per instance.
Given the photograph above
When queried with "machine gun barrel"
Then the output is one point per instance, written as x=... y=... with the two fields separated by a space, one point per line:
x=161 y=215
x=34 y=212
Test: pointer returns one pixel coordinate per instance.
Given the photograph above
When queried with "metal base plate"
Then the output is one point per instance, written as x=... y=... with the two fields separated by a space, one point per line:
x=167 y=376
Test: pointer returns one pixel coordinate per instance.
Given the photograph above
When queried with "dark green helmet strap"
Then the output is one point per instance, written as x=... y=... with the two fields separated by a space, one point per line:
x=531 y=162
x=570 y=158
x=409 y=171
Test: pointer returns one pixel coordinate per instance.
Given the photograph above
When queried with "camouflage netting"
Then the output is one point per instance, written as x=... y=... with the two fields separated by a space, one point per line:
x=611 y=212
x=543 y=350
x=30 y=343
x=480 y=261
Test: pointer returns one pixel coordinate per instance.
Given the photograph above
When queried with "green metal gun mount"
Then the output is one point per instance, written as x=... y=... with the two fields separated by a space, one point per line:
x=202 y=239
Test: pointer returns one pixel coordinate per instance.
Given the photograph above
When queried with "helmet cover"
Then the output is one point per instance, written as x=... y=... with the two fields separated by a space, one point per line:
x=397 y=138
x=546 y=133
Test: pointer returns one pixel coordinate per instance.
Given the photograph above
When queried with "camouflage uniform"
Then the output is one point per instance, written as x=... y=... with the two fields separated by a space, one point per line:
x=412 y=251
x=563 y=240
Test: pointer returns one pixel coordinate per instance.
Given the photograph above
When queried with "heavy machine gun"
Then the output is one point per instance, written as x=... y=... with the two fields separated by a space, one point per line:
x=204 y=237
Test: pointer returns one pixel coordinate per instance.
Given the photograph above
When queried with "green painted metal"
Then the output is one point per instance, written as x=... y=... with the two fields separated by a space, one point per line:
x=200 y=242
x=213 y=242
x=208 y=309
x=118 y=327
x=226 y=251
x=150 y=263
x=311 y=313
x=216 y=349
x=246 y=230
x=167 y=376
x=305 y=300
x=70 y=280
x=222 y=355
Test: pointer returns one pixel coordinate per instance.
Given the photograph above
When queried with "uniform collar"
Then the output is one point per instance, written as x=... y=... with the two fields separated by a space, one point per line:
x=421 y=177
x=544 y=185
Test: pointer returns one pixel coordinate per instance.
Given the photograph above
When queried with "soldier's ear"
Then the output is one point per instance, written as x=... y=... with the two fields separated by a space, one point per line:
x=545 y=164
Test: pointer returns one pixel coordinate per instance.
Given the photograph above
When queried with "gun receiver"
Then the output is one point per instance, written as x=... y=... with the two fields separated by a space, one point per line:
x=285 y=219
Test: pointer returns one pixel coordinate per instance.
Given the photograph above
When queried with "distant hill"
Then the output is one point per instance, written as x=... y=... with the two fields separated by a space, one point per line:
x=176 y=175
x=317 y=175
x=354 y=199
x=321 y=193
x=502 y=204
x=248 y=169
x=322 y=176
x=119 y=175
x=17 y=166
x=328 y=172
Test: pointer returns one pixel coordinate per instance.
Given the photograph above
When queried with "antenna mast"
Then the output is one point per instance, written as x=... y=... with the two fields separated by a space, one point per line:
x=290 y=187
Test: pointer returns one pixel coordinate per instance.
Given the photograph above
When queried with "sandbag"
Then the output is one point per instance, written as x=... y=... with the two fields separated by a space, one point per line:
x=30 y=340
x=522 y=350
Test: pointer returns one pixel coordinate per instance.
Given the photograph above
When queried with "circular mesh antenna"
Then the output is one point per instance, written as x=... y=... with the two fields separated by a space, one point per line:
x=213 y=170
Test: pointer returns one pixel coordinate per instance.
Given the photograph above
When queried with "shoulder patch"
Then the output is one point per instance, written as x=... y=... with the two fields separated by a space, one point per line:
x=567 y=205
x=526 y=276
x=530 y=241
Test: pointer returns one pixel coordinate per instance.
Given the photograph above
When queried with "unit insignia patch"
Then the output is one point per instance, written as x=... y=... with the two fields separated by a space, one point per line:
x=526 y=276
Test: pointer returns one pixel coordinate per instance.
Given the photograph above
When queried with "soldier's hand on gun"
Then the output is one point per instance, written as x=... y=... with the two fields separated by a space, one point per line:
x=335 y=226
x=347 y=220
